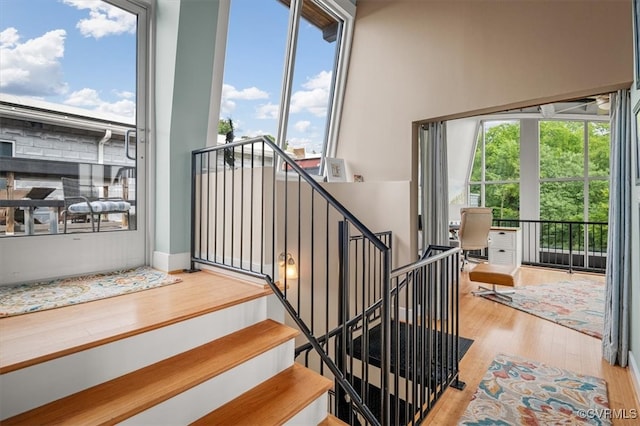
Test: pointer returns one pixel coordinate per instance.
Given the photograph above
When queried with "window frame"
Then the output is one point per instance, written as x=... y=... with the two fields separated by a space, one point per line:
x=586 y=178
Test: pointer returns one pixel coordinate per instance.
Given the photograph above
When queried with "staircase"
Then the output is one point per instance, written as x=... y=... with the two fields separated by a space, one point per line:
x=209 y=350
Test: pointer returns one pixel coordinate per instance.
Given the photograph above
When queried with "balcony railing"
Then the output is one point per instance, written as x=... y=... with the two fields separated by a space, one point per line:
x=571 y=245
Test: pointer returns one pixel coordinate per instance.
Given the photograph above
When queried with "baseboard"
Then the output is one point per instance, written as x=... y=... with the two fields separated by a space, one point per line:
x=171 y=262
x=635 y=375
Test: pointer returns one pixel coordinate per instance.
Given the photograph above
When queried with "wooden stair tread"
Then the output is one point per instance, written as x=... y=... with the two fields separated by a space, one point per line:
x=332 y=420
x=272 y=402
x=120 y=398
x=41 y=336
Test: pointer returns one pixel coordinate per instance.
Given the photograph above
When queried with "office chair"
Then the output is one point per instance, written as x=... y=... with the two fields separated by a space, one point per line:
x=475 y=223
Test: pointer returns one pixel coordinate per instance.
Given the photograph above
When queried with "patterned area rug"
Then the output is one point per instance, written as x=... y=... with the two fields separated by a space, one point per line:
x=575 y=304
x=25 y=298
x=517 y=391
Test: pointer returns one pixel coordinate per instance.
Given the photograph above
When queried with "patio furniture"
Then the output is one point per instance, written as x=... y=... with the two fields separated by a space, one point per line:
x=83 y=199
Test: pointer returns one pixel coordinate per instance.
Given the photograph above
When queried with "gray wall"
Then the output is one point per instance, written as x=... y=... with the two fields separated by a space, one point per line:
x=50 y=142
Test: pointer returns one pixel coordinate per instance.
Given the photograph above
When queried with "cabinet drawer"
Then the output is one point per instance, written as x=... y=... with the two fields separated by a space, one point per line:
x=499 y=256
x=502 y=239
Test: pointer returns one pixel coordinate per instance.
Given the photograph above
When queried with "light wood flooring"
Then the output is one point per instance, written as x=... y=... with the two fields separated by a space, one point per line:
x=497 y=328
x=494 y=327
x=41 y=336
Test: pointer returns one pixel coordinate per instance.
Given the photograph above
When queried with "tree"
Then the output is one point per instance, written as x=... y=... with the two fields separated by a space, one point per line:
x=224 y=126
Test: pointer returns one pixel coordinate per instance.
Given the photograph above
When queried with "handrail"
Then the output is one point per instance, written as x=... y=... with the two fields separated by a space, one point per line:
x=247 y=215
x=425 y=260
x=344 y=383
x=305 y=176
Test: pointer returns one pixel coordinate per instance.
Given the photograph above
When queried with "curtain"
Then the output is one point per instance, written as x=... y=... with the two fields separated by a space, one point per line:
x=435 y=185
x=615 y=340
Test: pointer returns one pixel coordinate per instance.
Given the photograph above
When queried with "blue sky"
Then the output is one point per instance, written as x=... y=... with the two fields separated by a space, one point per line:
x=81 y=53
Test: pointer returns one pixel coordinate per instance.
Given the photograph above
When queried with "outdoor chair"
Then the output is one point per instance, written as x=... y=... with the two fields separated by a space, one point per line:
x=475 y=223
x=83 y=199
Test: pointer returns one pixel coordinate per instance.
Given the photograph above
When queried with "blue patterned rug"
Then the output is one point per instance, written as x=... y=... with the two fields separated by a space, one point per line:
x=33 y=297
x=575 y=304
x=518 y=391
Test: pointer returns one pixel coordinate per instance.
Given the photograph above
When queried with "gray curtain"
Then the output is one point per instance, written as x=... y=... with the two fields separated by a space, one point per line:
x=615 y=340
x=435 y=185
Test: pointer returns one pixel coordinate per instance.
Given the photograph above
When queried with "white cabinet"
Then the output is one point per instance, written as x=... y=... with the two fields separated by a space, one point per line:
x=505 y=246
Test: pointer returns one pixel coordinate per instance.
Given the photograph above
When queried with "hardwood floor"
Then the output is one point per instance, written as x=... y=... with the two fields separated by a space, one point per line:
x=494 y=327
x=41 y=336
x=497 y=328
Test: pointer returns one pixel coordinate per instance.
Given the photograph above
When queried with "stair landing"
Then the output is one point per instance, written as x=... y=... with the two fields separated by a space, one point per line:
x=41 y=336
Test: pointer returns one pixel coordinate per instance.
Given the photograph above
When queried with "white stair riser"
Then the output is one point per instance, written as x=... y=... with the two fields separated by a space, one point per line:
x=313 y=414
x=30 y=387
x=206 y=397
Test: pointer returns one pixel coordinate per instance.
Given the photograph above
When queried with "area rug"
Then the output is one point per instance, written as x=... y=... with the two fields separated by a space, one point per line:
x=518 y=391
x=442 y=342
x=25 y=298
x=575 y=304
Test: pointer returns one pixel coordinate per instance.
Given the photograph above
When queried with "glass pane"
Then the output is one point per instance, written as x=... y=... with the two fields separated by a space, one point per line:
x=562 y=201
x=502 y=150
x=561 y=149
x=253 y=69
x=599 y=145
x=62 y=93
x=476 y=168
x=475 y=196
x=312 y=87
x=599 y=201
x=504 y=199
x=599 y=213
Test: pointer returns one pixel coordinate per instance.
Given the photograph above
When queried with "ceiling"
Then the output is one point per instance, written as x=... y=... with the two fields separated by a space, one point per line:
x=592 y=105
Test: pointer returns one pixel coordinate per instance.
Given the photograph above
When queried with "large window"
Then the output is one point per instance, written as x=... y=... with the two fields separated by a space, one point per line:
x=495 y=174
x=73 y=99
x=280 y=87
x=574 y=170
x=69 y=112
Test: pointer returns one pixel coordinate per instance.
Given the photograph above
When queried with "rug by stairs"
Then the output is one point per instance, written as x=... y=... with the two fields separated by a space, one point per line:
x=439 y=342
x=518 y=391
x=437 y=371
x=33 y=297
x=575 y=304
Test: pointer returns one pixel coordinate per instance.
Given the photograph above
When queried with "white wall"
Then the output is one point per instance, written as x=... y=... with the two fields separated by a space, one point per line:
x=414 y=61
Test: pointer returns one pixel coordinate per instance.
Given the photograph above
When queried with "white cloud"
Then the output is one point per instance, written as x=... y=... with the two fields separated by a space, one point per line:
x=104 y=19
x=316 y=98
x=250 y=93
x=32 y=68
x=83 y=98
x=227 y=107
x=124 y=94
x=90 y=99
x=302 y=125
x=320 y=81
x=267 y=111
x=229 y=93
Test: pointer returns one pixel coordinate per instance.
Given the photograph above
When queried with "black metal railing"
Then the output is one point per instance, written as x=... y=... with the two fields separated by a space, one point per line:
x=571 y=245
x=256 y=211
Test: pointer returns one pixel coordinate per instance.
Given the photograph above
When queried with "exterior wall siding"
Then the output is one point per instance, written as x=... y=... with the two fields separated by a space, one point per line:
x=50 y=142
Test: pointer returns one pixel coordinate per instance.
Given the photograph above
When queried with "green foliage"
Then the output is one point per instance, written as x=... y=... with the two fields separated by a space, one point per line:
x=224 y=126
x=561 y=149
x=562 y=155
